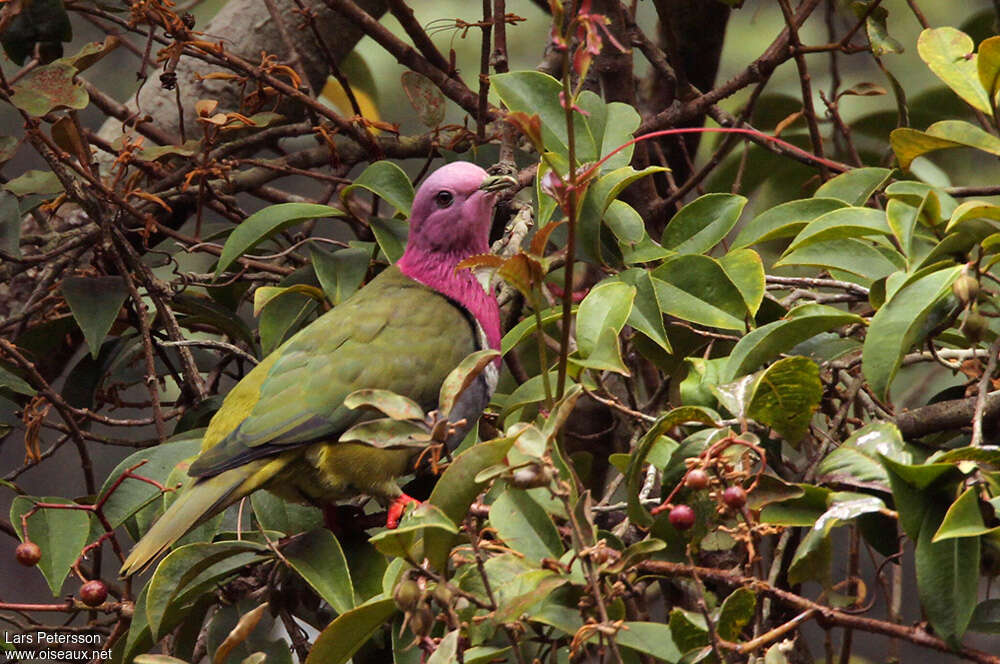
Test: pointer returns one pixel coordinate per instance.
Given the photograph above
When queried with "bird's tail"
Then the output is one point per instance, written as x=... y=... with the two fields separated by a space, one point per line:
x=197 y=503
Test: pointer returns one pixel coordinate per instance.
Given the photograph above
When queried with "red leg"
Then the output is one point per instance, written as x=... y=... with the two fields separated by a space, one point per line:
x=396 y=510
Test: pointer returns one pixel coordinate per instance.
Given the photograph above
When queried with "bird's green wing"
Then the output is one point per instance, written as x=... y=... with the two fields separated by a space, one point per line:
x=395 y=334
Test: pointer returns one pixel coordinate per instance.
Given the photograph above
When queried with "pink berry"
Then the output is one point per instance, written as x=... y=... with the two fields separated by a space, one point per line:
x=93 y=593
x=681 y=517
x=697 y=479
x=734 y=497
x=28 y=554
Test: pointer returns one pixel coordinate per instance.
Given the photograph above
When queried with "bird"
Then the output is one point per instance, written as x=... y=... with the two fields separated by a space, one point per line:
x=404 y=331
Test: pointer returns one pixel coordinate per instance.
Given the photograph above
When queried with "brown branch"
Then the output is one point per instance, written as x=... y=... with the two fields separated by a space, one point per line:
x=756 y=71
x=805 y=82
x=824 y=614
x=946 y=415
x=407 y=56
x=404 y=14
x=984 y=385
x=65 y=410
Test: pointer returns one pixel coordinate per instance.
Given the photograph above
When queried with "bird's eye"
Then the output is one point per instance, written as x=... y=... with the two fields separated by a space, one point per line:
x=444 y=198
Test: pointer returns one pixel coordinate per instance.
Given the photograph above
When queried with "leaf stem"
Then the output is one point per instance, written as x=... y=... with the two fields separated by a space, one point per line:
x=567 y=294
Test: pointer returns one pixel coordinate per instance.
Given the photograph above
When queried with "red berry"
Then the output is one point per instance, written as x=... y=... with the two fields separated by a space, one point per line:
x=735 y=497
x=28 y=554
x=697 y=479
x=681 y=517
x=93 y=593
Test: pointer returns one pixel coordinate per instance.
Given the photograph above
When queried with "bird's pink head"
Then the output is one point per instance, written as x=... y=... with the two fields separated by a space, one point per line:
x=449 y=223
x=451 y=214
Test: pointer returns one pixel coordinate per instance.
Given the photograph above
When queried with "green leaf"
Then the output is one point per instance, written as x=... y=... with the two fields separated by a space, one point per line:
x=285 y=517
x=786 y=395
x=625 y=222
x=95 y=303
x=14 y=383
x=703 y=223
x=637 y=512
x=265 y=223
x=902 y=322
x=285 y=315
x=746 y=270
x=340 y=273
x=425 y=98
x=963 y=518
x=902 y=219
x=696 y=288
x=646 y=315
x=986 y=617
x=908 y=144
x=599 y=197
x=768 y=341
x=812 y=558
x=688 y=629
x=49 y=87
x=988 y=65
x=851 y=222
x=345 y=635
x=265 y=295
x=391 y=234
x=461 y=377
x=537 y=93
x=524 y=526
x=800 y=510
x=10 y=224
x=605 y=356
x=785 y=220
x=651 y=638
x=387 y=181
x=527 y=326
x=389 y=403
x=850 y=255
x=736 y=613
x=61 y=535
x=879 y=39
x=200 y=311
x=949 y=53
x=912 y=493
x=606 y=307
x=611 y=125
x=457 y=488
x=317 y=557
x=947 y=578
x=44 y=183
x=856 y=461
x=189 y=571
x=386 y=432
x=973 y=210
x=406 y=540
x=92 y=52
x=855 y=186
x=131 y=494
x=446 y=649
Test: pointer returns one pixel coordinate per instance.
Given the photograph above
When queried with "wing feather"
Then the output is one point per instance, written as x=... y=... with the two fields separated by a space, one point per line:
x=395 y=334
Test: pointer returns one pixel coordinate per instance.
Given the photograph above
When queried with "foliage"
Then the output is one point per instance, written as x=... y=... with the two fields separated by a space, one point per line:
x=808 y=374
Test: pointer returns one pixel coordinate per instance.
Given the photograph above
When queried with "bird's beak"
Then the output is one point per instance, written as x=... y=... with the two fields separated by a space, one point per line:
x=496 y=183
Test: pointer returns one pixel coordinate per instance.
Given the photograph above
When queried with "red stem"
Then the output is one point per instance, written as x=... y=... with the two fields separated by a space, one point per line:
x=583 y=177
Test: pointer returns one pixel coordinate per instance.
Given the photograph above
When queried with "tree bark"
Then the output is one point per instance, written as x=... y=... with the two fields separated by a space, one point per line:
x=247 y=29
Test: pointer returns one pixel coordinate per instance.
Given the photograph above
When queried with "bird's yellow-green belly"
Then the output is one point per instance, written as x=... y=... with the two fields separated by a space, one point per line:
x=326 y=472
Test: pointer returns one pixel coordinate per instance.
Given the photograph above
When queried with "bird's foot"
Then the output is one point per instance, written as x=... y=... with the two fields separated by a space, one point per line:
x=396 y=510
